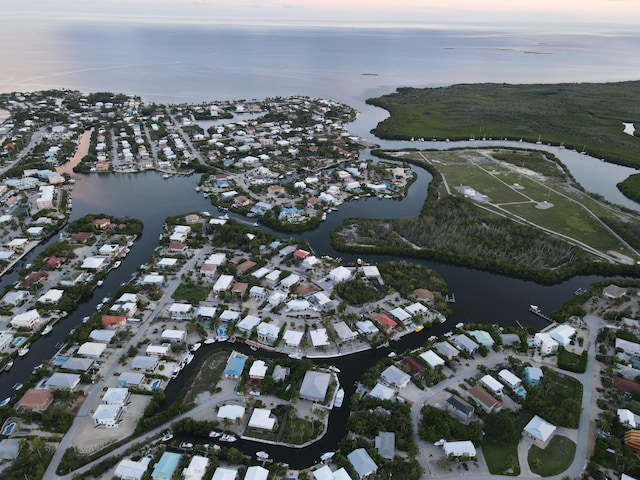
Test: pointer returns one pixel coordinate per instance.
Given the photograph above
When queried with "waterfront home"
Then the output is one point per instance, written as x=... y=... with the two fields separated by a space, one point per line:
x=613 y=292
x=206 y=312
x=101 y=223
x=258 y=370
x=362 y=463
x=482 y=337
x=235 y=365
x=29 y=319
x=129 y=470
x=81 y=237
x=223 y=283
x=464 y=343
x=395 y=377
x=268 y=333
x=345 y=334
x=174 y=336
x=91 y=349
x=247 y=324
x=55 y=262
x=539 y=430
x=262 y=419
x=167 y=262
x=196 y=469
x=224 y=474
x=384 y=321
x=370 y=271
x=78 y=365
x=424 y=294
x=314 y=386
x=51 y=296
x=486 y=401
x=292 y=338
x=35 y=400
x=157 y=350
x=340 y=274
x=130 y=379
x=382 y=392
x=366 y=327
x=280 y=373
x=460 y=409
x=63 y=381
x=141 y=362
x=113 y=321
x=432 y=359
x=448 y=351
x=400 y=314
x=416 y=309
x=165 y=468
x=230 y=412
x=229 y=316
x=116 y=396
x=319 y=337
x=94 y=263
x=256 y=473
x=13 y=298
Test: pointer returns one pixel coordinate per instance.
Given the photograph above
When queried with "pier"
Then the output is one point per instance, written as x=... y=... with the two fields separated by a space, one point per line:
x=450 y=298
x=536 y=311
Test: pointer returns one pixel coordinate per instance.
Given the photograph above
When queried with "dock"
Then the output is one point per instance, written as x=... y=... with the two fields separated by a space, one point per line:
x=536 y=311
x=450 y=298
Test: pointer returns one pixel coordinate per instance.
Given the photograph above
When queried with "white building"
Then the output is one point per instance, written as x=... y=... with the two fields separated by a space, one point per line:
x=94 y=263
x=28 y=319
x=196 y=469
x=539 y=430
x=107 y=416
x=231 y=412
x=91 y=349
x=432 y=359
x=116 y=396
x=340 y=274
x=562 y=334
x=460 y=449
x=223 y=283
x=492 y=384
x=545 y=343
x=261 y=419
x=509 y=379
x=174 y=336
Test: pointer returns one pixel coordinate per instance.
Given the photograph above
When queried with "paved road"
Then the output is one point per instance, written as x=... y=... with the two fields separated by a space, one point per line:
x=97 y=389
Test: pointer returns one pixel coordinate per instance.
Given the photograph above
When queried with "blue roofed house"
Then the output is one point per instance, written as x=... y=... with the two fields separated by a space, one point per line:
x=533 y=375
x=235 y=365
x=166 y=466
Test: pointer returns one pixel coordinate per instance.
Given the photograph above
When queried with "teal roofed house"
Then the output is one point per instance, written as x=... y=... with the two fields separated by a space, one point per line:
x=235 y=365
x=165 y=468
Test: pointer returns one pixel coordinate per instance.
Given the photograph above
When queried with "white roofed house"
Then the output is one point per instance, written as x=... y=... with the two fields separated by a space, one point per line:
x=262 y=419
x=400 y=314
x=91 y=349
x=416 y=308
x=539 y=430
x=345 y=334
x=289 y=281
x=322 y=300
x=432 y=359
x=319 y=337
x=181 y=311
x=94 y=263
x=257 y=292
x=174 y=336
x=258 y=370
x=107 y=416
x=268 y=333
x=340 y=274
x=447 y=350
x=247 y=324
x=63 y=381
x=157 y=350
x=116 y=396
x=395 y=377
x=509 y=379
x=493 y=385
x=51 y=296
x=628 y=418
x=196 y=469
x=229 y=316
x=545 y=343
x=223 y=283
x=562 y=334
x=230 y=412
x=382 y=392
x=29 y=319
x=292 y=338
x=463 y=448
x=256 y=473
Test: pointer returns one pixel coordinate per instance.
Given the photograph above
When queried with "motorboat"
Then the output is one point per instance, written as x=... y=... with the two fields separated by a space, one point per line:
x=166 y=437
x=339 y=398
x=99 y=283
x=326 y=456
x=209 y=341
x=186 y=445
x=23 y=351
x=227 y=437
x=47 y=330
x=5 y=402
x=117 y=264
x=262 y=455
x=214 y=434
x=8 y=366
x=195 y=347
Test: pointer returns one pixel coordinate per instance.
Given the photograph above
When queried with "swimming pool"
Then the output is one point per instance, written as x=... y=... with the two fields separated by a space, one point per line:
x=222 y=331
x=9 y=429
x=521 y=392
x=59 y=361
x=16 y=342
x=155 y=384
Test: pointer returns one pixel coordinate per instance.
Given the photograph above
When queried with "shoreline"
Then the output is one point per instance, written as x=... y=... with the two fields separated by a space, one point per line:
x=82 y=150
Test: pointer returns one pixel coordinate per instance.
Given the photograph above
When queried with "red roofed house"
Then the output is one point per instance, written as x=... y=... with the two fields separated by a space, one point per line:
x=312 y=201
x=35 y=399
x=81 y=237
x=624 y=384
x=301 y=254
x=177 y=246
x=275 y=189
x=384 y=320
x=240 y=288
x=101 y=223
x=241 y=200
x=55 y=262
x=414 y=365
x=113 y=321
x=33 y=278
x=244 y=267
x=424 y=294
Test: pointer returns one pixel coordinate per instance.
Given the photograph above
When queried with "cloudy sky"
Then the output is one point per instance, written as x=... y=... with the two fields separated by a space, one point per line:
x=573 y=13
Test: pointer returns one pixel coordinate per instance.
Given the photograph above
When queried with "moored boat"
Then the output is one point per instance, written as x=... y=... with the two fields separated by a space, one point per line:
x=339 y=398
x=47 y=330
x=23 y=351
x=227 y=437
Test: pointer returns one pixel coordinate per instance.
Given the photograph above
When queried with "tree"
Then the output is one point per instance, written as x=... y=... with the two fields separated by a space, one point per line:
x=501 y=427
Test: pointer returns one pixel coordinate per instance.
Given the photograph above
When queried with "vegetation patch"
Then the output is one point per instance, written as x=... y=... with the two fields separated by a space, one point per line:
x=554 y=459
x=572 y=362
x=582 y=116
x=357 y=292
x=191 y=293
x=630 y=187
x=557 y=399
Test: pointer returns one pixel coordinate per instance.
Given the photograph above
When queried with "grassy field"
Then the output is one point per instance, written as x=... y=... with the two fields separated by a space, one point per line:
x=582 y=116
x=516 y=191
x=190 y=293
x=554 y=459
x=500 y=456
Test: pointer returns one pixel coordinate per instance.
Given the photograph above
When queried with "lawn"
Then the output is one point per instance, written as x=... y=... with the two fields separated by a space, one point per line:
x=571 y=361
x=191 y=293
x=500 y=457
x=554 y=459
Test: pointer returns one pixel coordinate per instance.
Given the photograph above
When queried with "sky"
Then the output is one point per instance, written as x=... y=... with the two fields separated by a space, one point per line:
x=573 y=14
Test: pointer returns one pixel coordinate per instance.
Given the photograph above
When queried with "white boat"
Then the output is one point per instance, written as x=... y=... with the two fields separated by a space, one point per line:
x=105 y=299
x=17 y=386
x=99 y=283
x=23 y=351
x=534 y=308
x=186 y=446
x=195 y=347
x=8 y=366
x=227 y=437
x=327 y=456
x=333 y=368
x=214 y=434
x=209 y=341
x=166 y=175
x=339 y=398
x=205 y=214
x=85 y=319
x=459 y=325
x=5 y=402
x=166 y=437
x=176 y=371
x=262 y=455
x=392 y=355
x=47 y=330
x=324 y=216
x=188 y=358
x=117 y=264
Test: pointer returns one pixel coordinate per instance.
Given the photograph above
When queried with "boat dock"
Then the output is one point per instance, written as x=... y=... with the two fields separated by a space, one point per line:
x=536 y=311
x=450 y=298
